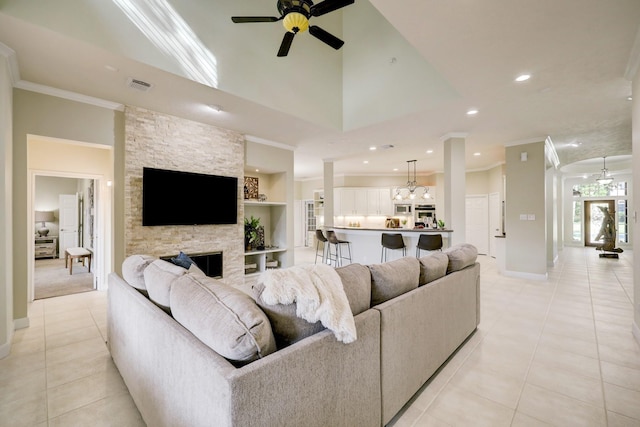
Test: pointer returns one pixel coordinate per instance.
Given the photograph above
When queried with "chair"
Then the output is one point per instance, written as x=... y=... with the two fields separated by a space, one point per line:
x=429 y=242
x=337 y=257
x=321 y=239
x=392 y=241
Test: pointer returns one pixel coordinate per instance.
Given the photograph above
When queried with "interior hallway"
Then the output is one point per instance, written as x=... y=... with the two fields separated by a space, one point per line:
x=555 y=352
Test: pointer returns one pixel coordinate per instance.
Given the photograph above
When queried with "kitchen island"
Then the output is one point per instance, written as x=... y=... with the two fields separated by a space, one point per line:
x=366 y=244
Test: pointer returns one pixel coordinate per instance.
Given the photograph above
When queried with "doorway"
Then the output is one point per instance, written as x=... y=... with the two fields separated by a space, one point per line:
x=594 y=217
x=70 y=202
x=84 y=161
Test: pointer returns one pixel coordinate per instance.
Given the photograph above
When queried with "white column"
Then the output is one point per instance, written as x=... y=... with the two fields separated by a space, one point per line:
x=455 y=187
x=328 y=193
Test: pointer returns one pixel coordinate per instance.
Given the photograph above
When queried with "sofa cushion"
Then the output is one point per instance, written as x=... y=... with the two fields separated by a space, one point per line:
x=133 y=270
x=288 y=328
x=393 y=278
x=224 y=318
x=159 y=276
x=461 y=256
x=356 y=281
x=433 y=266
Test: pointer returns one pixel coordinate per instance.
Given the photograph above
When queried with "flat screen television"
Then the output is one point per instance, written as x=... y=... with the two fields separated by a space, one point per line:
x=185 y=198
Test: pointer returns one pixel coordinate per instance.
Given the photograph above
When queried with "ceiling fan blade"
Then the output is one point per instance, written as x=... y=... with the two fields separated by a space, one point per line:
x=326 y=37
x=329 y=6
x=243 y=19
x=286 y=43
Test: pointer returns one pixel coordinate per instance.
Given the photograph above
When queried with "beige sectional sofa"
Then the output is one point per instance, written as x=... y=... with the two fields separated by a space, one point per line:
x=197 y=352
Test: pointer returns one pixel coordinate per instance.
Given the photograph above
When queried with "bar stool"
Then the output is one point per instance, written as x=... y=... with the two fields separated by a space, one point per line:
x=392 y=241
x=337 y=243
x=321 y=239
x=429 y=242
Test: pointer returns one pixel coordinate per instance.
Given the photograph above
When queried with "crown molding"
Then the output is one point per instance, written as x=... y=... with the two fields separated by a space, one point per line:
x=12 y=59
x=65 y=94
x=263 y=141
x=450 y=135
x=526 y=141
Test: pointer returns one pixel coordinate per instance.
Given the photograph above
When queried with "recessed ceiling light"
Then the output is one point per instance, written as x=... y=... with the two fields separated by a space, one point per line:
x=476 y=154
x=373 y=148
x=523 y=77
x=257 y=170
x=395 y=169
x=472 y=112
x=216 y=108
x=429 y=151
x=366 y=162
x=629 y=98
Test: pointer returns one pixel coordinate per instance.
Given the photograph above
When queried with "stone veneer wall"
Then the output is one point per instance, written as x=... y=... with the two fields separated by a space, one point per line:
x=161 y=141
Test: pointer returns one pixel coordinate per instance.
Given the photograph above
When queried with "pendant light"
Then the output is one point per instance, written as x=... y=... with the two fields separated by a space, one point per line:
x=604 y=178
x=411 y=190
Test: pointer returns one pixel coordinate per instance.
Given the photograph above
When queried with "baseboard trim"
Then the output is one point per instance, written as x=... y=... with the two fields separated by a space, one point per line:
x=523 y=275
x=21 y=323
x=635 y=329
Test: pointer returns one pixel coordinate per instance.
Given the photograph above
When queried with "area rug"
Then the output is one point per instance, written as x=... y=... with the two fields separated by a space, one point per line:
x=52 y=279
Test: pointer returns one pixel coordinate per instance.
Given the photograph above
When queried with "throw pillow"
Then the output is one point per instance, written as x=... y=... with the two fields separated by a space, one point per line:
x=393 y=278
x=288 y=328
x=433 y=266
x=356 y=281
x=159 y=277
x=222 y=317
x=133 y=270
x=461 y=256
x=182 y=260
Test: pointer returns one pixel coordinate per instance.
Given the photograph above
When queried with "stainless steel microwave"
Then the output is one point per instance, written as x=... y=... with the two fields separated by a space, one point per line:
x=403 y=209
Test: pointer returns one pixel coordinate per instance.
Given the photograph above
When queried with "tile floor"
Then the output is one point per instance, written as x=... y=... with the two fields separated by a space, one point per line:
x=555 y=352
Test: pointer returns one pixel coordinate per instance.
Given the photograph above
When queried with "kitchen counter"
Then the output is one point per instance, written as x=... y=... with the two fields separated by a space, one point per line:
x=366 y=245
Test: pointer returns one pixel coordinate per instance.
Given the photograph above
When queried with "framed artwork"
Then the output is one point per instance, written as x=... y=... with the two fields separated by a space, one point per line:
x=250 y=187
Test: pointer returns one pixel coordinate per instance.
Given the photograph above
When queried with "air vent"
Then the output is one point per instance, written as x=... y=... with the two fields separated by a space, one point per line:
x=138 y=84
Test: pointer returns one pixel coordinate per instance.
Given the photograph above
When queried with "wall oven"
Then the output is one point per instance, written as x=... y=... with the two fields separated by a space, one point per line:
x=425 y=213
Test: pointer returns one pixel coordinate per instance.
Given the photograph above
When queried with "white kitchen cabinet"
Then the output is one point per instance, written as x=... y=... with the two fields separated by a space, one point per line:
x=362 y=201
x=352 y=202
x=379 y=202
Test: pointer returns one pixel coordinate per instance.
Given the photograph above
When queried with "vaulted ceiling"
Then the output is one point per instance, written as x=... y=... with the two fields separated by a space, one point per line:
x=407 y=75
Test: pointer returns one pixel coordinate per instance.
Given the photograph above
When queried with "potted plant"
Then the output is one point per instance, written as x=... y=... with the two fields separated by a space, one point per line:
x=440 y=224
x=250 y=231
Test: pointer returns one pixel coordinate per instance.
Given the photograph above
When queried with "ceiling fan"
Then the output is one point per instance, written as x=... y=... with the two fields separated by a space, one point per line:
x=295 y=16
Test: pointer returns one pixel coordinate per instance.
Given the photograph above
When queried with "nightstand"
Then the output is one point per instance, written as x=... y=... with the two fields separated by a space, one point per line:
x=46 y=247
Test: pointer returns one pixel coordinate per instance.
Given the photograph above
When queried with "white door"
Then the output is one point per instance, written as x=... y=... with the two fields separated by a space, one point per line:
x=477 y=222
x=495 y=221
x=69 y=222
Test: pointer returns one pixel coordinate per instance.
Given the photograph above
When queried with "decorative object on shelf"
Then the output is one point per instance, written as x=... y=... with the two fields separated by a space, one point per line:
x=259 y=243
x=43 y=217
x=251 y=232
x=411 y=190
x=440 y=224
x=604 y=178
x=250 y=187
x=262 y=197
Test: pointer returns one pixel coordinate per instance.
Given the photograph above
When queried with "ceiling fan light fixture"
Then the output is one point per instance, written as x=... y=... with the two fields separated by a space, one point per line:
x=295 y=22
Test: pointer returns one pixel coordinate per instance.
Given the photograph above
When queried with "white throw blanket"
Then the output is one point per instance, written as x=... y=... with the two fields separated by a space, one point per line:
x=319 y=294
